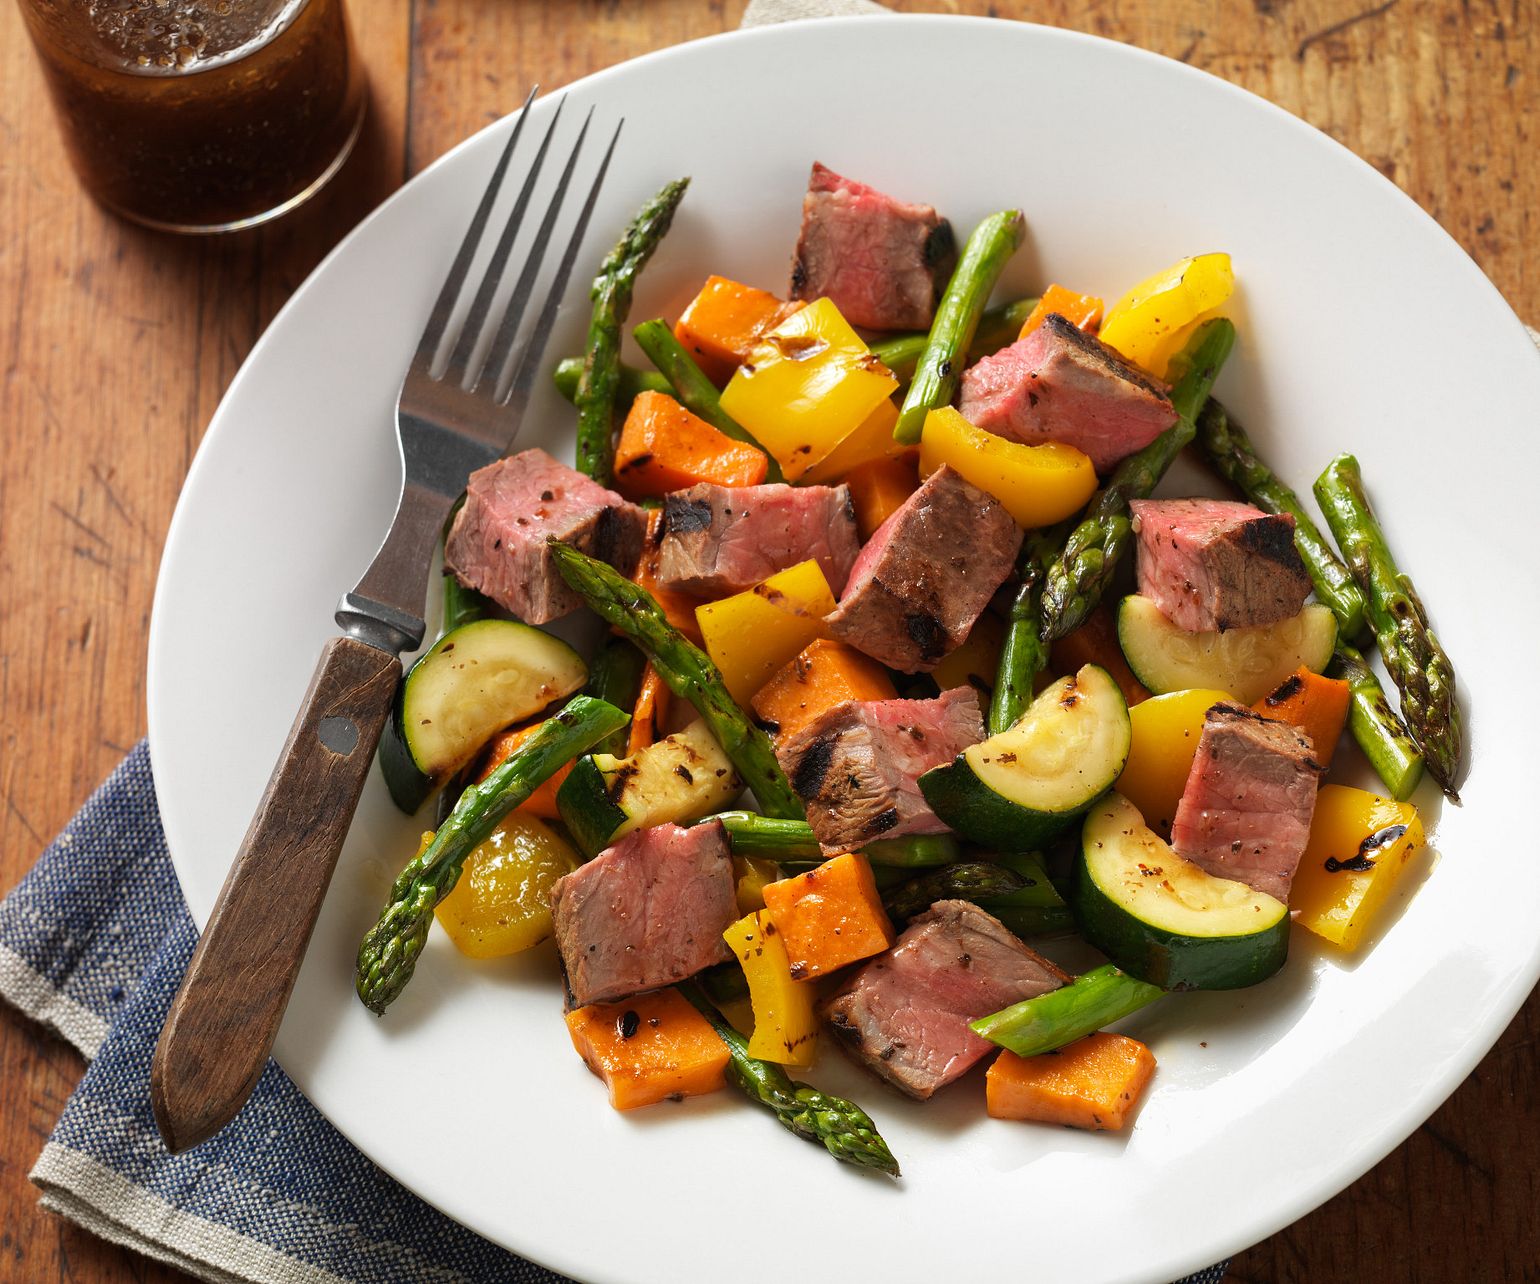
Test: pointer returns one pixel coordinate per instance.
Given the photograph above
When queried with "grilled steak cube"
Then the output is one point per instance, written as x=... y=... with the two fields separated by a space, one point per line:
x=883 y=262
x=1246 y=811
x=926 y=574
x=645 y=913
x=857 y=764
x=1211 y=564
x=1062 y=384
x=724 y=539
x=497 y=544
x=905 y=1014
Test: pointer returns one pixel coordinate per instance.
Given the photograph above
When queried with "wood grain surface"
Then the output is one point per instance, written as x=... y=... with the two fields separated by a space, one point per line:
x=119 y=343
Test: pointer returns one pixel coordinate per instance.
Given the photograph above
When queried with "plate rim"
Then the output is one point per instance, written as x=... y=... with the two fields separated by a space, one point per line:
x=1507 y=998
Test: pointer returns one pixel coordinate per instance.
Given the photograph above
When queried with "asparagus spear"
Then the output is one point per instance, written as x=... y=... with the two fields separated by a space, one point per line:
x=957 y=319
x=1226 y=446
x=997 y=328
x=687 y=671
x=792 y=841
x=1075 y=581
x=695 y=392
x=1379 y=732
x=1023 y=653
x=388 y=955
x=631 y=381
x=841 y=1127
x=1036 y=907
x=615 y=676
x=1084 y=1006
x=599 y=383
x=1413 y=657
x=969 y=881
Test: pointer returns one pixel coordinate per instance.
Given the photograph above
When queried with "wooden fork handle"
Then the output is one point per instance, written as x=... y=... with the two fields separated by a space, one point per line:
x=222 y=1023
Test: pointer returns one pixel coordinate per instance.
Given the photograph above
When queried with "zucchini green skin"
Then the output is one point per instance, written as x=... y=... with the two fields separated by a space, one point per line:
x=587 y=810
x=615 y=676
x=409 y=777
x=409 y=786
x=1087 y=1004
x=1172 y=960
x=982 y=814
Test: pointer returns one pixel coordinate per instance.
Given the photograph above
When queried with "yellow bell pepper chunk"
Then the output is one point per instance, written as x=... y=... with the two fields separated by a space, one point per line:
x=872 y=441
x=1360 y=846
x=977 y=660
x=807 y=386
x=502 y=903
x=752 y=875
x=1038 y=485
x=752 y=634
x=1150 y=323
x=785 y=1029
x=1166 y=730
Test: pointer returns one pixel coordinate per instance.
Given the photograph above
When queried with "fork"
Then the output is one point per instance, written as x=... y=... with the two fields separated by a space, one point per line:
x=453 y=416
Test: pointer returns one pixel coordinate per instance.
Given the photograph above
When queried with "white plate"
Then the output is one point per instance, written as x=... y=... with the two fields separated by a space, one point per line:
x=1362 y=326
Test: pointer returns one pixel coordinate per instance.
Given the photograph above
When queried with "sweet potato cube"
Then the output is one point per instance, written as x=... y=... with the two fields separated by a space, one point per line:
x=724 y=322
x=649 y=1048
x=1096 y=642
x=1094 y=1083
x=542 y=802
x=878 y=489
x=829 y=916
x=825 y=673
x=664 y=447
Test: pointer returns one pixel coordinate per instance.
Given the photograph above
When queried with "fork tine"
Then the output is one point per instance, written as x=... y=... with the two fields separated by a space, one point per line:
x=502 y=345
x=449 y=292
x=529 y=359
x=475 y=320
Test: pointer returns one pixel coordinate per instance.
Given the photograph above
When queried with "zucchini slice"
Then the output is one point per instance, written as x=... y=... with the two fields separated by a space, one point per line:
x=1248 y=663
x=1161 y=918
x=680 y=778
x=1018 y=789
x=473 y=682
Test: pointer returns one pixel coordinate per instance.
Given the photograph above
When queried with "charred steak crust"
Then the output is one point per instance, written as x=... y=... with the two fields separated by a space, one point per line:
x=1273 y=539
x=904 y=1015
x=1216 y=564
x=882 y=261
x=497 y=543
x=857 y=765
x=1109 y=358
x=718 y=540
x=684 y=516
x=927 y=574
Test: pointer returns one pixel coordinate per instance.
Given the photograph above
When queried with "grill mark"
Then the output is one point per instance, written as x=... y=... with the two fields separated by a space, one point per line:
x=809 y=775
x=683 y=516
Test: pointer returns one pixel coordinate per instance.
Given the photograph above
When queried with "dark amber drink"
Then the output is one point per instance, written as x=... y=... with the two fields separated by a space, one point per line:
x=200 y=115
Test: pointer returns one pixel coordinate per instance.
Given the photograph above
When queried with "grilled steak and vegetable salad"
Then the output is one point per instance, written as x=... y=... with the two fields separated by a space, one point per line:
x=907 y=671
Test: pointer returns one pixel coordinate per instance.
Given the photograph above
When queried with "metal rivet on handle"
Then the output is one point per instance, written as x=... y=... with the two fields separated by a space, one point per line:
x=338 y=734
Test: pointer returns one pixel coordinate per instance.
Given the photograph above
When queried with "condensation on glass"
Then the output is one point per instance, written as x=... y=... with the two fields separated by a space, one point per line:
x=201 y=115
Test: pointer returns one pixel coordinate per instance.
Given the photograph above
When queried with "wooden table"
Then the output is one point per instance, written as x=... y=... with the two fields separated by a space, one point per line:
x=118 y=345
